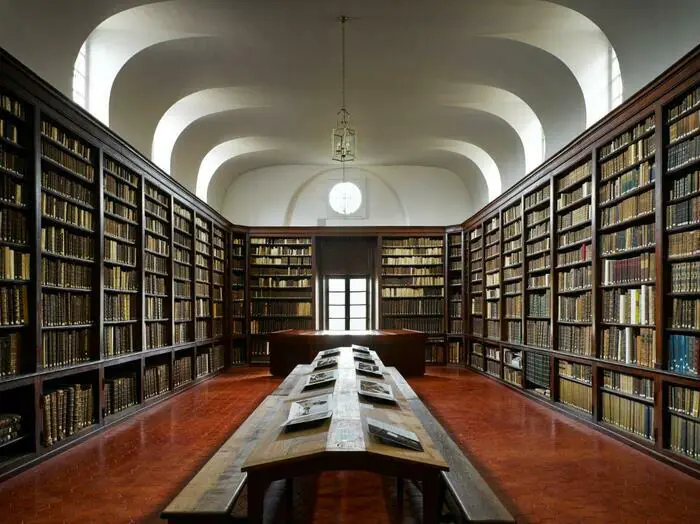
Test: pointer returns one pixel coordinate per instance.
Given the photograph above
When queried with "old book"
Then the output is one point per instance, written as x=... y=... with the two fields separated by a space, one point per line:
x=394 y=435
x=363 y=358
x=376 y=390
x=309 y=410
x=322 y=378
x=360 y=349
x=366 y=368
x=326 y=363
x=329 y=353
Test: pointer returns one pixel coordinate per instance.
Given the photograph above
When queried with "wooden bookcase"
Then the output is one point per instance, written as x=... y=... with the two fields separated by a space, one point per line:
x=88 y=289
x=455 y=297
x=237 y=304
x=595 y=255
x=281 y=289
x=413 y=287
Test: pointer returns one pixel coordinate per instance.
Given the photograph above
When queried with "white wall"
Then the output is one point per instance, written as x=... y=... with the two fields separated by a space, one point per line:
x=296 y=195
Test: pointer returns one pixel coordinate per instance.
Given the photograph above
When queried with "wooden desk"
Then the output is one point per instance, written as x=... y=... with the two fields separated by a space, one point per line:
x=343 y=442
x=401 y=348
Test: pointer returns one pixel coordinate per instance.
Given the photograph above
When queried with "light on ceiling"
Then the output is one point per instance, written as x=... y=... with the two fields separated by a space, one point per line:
x=345 y=198
x=344 y=137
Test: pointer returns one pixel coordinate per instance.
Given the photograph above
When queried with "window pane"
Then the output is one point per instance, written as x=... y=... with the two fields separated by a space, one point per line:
x=336 y=311
x=358 y=324
x=336 y=299
x=336 y=284
x=358 y=298
x=358 y=284
x=358 y=311
x=336 y=324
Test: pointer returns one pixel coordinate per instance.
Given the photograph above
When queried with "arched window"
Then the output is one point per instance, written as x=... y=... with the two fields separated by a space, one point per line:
x=615 y=79
x=80 y=78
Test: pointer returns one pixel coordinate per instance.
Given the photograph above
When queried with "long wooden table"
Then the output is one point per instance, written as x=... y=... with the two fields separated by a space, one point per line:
x=343 y=442
x=401 y=348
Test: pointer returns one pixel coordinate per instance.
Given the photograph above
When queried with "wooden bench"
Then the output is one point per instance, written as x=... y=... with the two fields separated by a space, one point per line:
x=217 y=493
x=212 y=494
x=468 y=490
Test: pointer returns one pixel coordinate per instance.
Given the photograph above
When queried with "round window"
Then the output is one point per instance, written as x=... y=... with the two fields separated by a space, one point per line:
x=345 y=198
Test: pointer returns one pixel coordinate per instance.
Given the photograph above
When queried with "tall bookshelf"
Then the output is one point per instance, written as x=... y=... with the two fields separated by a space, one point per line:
x=183 y=273
x=203 y=278
x=218 y=281
x=626 y=273
x=159 y=273
x=574 y=271
x=238 y=296
x=69 y=246
x=413 y=288
x=512 y=261
x=281 y=285
x=455 y=297
x=493 y=277
x=475 y=293
x=18 y=268
x=121 y=193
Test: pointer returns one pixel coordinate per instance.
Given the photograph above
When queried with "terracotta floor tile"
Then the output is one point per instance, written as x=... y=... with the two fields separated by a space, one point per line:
x=547 y=468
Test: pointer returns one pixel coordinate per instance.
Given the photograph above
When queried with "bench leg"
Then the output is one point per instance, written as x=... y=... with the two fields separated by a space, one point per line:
x=256 y=498
x=431 y=498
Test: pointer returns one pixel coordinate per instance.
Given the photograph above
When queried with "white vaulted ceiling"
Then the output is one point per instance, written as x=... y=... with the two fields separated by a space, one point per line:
x=218 y=92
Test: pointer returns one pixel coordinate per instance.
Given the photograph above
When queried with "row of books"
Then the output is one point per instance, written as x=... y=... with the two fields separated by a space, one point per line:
x=630 y=416
x=13 y=226
x=576 y=395
x=14 y=306
x=66 y=411
x=10 y=354
x=280 y=308
x=427 y=306
x=65 y=348
x=120 y=393
x=630 y=345
x=182 y=371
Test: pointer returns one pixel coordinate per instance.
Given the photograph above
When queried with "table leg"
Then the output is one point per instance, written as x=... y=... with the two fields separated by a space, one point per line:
x=289 y=497
x=399 y=495
x=431 y=498
x=256 y=497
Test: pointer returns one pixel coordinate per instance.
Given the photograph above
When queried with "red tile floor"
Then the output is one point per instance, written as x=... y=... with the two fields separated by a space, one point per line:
x=546 y=467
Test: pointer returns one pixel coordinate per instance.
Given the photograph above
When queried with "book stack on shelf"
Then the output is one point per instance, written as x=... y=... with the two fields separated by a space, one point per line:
x=120 y=188
x=476 y=282
x=413 y=284
x=574 y=237
x=537 y=373
x=476 y=359
x=575 y=385
x=455 y=271
x=512 y=367
x=281 y=283
x=15 y=258
x=684 y=417
x=202 y=277
x=157 y=269
x=682 y=223
x=626 y=208
x=538 y=286
x=182 y=368
x=218 y=266
x=68 y=248
x=66 y=410
x=203 y=362
x=120 y=392
x=217 y=358
x=238 y=310
x=628 y=403
x=493 y=361
x=156 y=379
x=512 y=264
x=492 y=275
